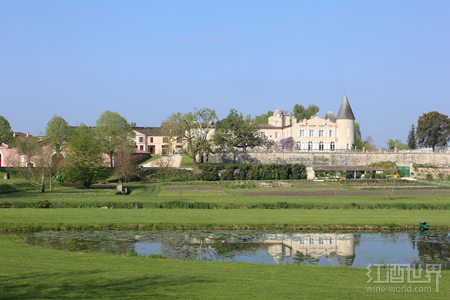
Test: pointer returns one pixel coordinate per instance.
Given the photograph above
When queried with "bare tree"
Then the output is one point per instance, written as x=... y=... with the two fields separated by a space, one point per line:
x=33 y=161
x=164 y=165
x=123 y=161
x=194 y=128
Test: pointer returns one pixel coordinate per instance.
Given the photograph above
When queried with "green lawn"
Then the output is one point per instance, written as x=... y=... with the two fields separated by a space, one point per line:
x=28 y=272
x=148 y=218
x=186 y=161
x=218 y=194
x=151 y=158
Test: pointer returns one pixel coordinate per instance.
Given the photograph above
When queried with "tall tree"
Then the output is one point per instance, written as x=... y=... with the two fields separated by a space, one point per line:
x=433 y=129
x=236 y=132
x=359 y=143
x=6 y=134
x=263 y=118
x=412 y=138
x=124 y=166
x=301 y=113
x=368 y=143
x=194 y=128
x=56 y=133
x=113 y=128
x=84 y=160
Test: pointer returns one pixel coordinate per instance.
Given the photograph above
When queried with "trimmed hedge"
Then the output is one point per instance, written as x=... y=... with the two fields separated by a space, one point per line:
x=254 y=171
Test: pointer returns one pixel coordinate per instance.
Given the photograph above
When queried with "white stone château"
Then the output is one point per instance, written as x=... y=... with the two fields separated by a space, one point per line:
x=328 y=133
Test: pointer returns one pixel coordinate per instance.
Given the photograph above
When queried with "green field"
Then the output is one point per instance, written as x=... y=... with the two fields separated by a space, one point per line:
x=28 y=272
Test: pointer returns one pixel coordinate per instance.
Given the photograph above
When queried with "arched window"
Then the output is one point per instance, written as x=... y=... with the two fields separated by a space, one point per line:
x=332 y=146
x=320 y=146
x=310 y=146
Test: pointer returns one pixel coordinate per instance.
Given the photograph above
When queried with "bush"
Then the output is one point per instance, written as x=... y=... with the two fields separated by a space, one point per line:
x=43 y=204
x=210 y=173
x=441 y=176
x=250 y=174
x=236 y=174
x=447 y=178
x=198 y=174
x=358 y=174
x=222 y=174
x=343 y=174
x=243 y=172
x=5 y=205
x=429 y=177
x=230 y=171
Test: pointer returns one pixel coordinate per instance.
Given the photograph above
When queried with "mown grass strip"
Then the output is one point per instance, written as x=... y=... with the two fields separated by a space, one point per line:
x=162 y=218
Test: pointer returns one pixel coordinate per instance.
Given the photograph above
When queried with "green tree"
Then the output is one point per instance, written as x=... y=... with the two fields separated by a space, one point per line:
x=56 y=133
x=113 y=128
x=359 y=143
x=301 y=113
x=263 y=118
x=396 y=144
x=412 y=138
x=84 y=160
x=124 y=166
x=6 y=134
x=236 y=132
x=193 y=128
x=433 y=129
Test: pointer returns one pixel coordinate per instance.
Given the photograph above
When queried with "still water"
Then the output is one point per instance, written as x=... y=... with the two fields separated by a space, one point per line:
x=268 y=247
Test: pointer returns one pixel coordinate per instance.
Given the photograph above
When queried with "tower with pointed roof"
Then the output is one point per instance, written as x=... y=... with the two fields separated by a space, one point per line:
x=345 y=121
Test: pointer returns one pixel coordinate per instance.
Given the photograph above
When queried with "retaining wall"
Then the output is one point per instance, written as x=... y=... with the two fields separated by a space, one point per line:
x=332 y=159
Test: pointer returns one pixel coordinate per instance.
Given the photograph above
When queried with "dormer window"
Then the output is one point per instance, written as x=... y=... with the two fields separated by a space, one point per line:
x=276 y=123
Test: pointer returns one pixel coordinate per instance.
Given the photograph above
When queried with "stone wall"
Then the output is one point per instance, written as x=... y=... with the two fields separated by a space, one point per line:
x=421 y=173
x=333 y=158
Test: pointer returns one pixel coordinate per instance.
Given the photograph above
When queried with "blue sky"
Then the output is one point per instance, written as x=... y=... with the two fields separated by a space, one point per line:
x=149 y=59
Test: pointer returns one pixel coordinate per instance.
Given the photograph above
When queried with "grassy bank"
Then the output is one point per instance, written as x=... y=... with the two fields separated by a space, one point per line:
x=28 y=272
x=163 y=218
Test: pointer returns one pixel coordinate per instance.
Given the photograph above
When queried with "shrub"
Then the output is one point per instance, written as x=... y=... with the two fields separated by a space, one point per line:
x=5 y=205
x=198 y=174
x=223 y=174
x=447 y=178
x=243 y=172
x=43 y=204
x=230 y=170
x=358 y=174
x=250 y=174
x=429 y=177
x=441 y=176
x=210 y=173
x=236 y=174
x=343 y=174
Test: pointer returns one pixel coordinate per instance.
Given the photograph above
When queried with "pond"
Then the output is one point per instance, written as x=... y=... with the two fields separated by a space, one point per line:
x=268 y=247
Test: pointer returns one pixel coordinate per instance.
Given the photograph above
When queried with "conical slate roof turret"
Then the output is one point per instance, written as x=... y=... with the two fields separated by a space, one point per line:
x=345 y=112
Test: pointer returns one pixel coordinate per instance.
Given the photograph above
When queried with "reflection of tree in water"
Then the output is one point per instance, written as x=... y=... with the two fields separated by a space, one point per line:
x=210 y=247
x=305 y=259
x=86 y=242
x=433 y=247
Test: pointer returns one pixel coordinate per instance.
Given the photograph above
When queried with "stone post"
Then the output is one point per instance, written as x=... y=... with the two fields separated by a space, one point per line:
x=120 y=186
x=6 y=176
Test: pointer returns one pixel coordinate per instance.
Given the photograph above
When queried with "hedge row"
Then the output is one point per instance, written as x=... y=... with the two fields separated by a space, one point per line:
x=205 y=205
x=210 y=172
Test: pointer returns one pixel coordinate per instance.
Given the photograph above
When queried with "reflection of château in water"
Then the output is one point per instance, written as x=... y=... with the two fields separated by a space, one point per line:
x=312 y=246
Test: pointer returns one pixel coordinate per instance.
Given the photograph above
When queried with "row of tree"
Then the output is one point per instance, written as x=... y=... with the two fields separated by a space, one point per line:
x=433 y=130
x=77 y=152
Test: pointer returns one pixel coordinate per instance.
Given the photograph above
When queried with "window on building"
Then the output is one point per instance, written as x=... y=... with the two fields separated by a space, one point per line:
x=330 y=133
x=299 y=145
x=321 y=146
x=151 y=140
x=276 y=123
x=347 y=146
x=311 y=132
x=141 y=139
x=332 y=146
x=165 y=139
x=310 y=146
x=302 y=133
x=277 y=135
x=321 y=132
x=141 y=148
x=348 y=131
x=178 y=140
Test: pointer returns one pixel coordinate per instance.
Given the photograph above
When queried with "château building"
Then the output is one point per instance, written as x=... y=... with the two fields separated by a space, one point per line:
x=326 y=133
